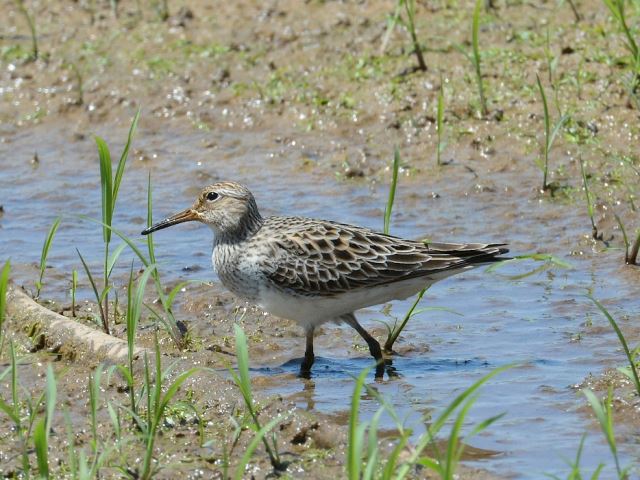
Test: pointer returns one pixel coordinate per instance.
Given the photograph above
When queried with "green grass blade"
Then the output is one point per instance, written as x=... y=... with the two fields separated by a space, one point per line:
x=444 y=416
x=114 y=258
x=9 y=411
x=395 y=332
x=355 y=437
x=123 y=160
x=136 y=309
x=94 y=399
x=14 y=384
x=556 y=129
x=603 y=413
x=72 y=461
x=51 y=394
x=4 y=282
x=242 y=356
x=93 y=286
x=106 y=185
x=392 y=191
x=259 y=436
x=124 y=237
x=373 y=454
x=475 y=43
x=587 y=194
x=42 y=455
x=454 y=445
x=150 y=246
x=46 y=247
x=440 y=121
x=392 y=21
x=175 y=386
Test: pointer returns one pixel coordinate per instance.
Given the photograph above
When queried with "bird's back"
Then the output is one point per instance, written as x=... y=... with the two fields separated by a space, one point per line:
x=320 y=258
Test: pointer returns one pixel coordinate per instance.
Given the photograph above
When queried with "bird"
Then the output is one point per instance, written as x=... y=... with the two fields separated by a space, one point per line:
x=314 y=271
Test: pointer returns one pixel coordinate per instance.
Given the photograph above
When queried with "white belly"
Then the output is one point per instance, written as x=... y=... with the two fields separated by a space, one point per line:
x=314 y=311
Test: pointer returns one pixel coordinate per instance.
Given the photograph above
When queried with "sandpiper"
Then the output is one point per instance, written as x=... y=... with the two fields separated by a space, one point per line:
x=314 y=271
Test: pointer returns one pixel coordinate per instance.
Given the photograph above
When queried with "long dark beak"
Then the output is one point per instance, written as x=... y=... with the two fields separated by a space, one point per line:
x=187 y=215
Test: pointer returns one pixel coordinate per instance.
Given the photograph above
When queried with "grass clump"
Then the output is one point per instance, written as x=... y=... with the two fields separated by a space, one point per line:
x=242 y=380
x=365 y=459
x=109 y=187
x=23 y=411
x=158 y=397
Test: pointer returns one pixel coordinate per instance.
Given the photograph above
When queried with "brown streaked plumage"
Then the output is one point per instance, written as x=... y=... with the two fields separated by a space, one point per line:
x=314 y=271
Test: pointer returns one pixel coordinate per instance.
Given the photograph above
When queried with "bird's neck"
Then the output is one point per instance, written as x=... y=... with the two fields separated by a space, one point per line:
x=246 y=228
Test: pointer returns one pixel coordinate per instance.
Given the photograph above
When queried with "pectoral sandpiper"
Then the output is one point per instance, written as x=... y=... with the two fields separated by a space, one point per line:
x=314 y=271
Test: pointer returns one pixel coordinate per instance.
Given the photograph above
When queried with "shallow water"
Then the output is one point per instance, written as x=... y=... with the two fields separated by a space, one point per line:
x=534 y=322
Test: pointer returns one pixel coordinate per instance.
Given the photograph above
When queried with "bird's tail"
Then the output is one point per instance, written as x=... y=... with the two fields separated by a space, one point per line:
x=472 y=252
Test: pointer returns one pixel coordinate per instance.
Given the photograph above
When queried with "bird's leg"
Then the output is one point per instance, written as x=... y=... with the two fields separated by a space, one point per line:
x=309 y=357
x=374 y=346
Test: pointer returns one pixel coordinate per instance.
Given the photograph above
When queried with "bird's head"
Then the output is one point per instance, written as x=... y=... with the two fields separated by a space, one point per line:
x=227 y=207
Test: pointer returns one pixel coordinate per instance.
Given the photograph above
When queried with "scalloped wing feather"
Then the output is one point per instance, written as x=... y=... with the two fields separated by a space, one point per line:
x=320 y=258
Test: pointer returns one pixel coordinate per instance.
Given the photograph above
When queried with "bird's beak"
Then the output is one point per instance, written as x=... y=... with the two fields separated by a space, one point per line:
x=187 y=215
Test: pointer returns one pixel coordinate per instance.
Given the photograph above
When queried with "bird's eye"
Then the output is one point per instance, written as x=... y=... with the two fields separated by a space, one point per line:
x=211 y=196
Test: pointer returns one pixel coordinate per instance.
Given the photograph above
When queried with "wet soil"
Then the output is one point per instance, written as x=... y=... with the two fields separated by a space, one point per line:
x=297 y=101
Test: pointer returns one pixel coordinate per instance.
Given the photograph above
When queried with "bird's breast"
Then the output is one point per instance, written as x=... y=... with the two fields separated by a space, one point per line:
x=238 y=271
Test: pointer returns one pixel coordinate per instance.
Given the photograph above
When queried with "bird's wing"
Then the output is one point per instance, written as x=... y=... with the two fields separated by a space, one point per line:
x=324 y=258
